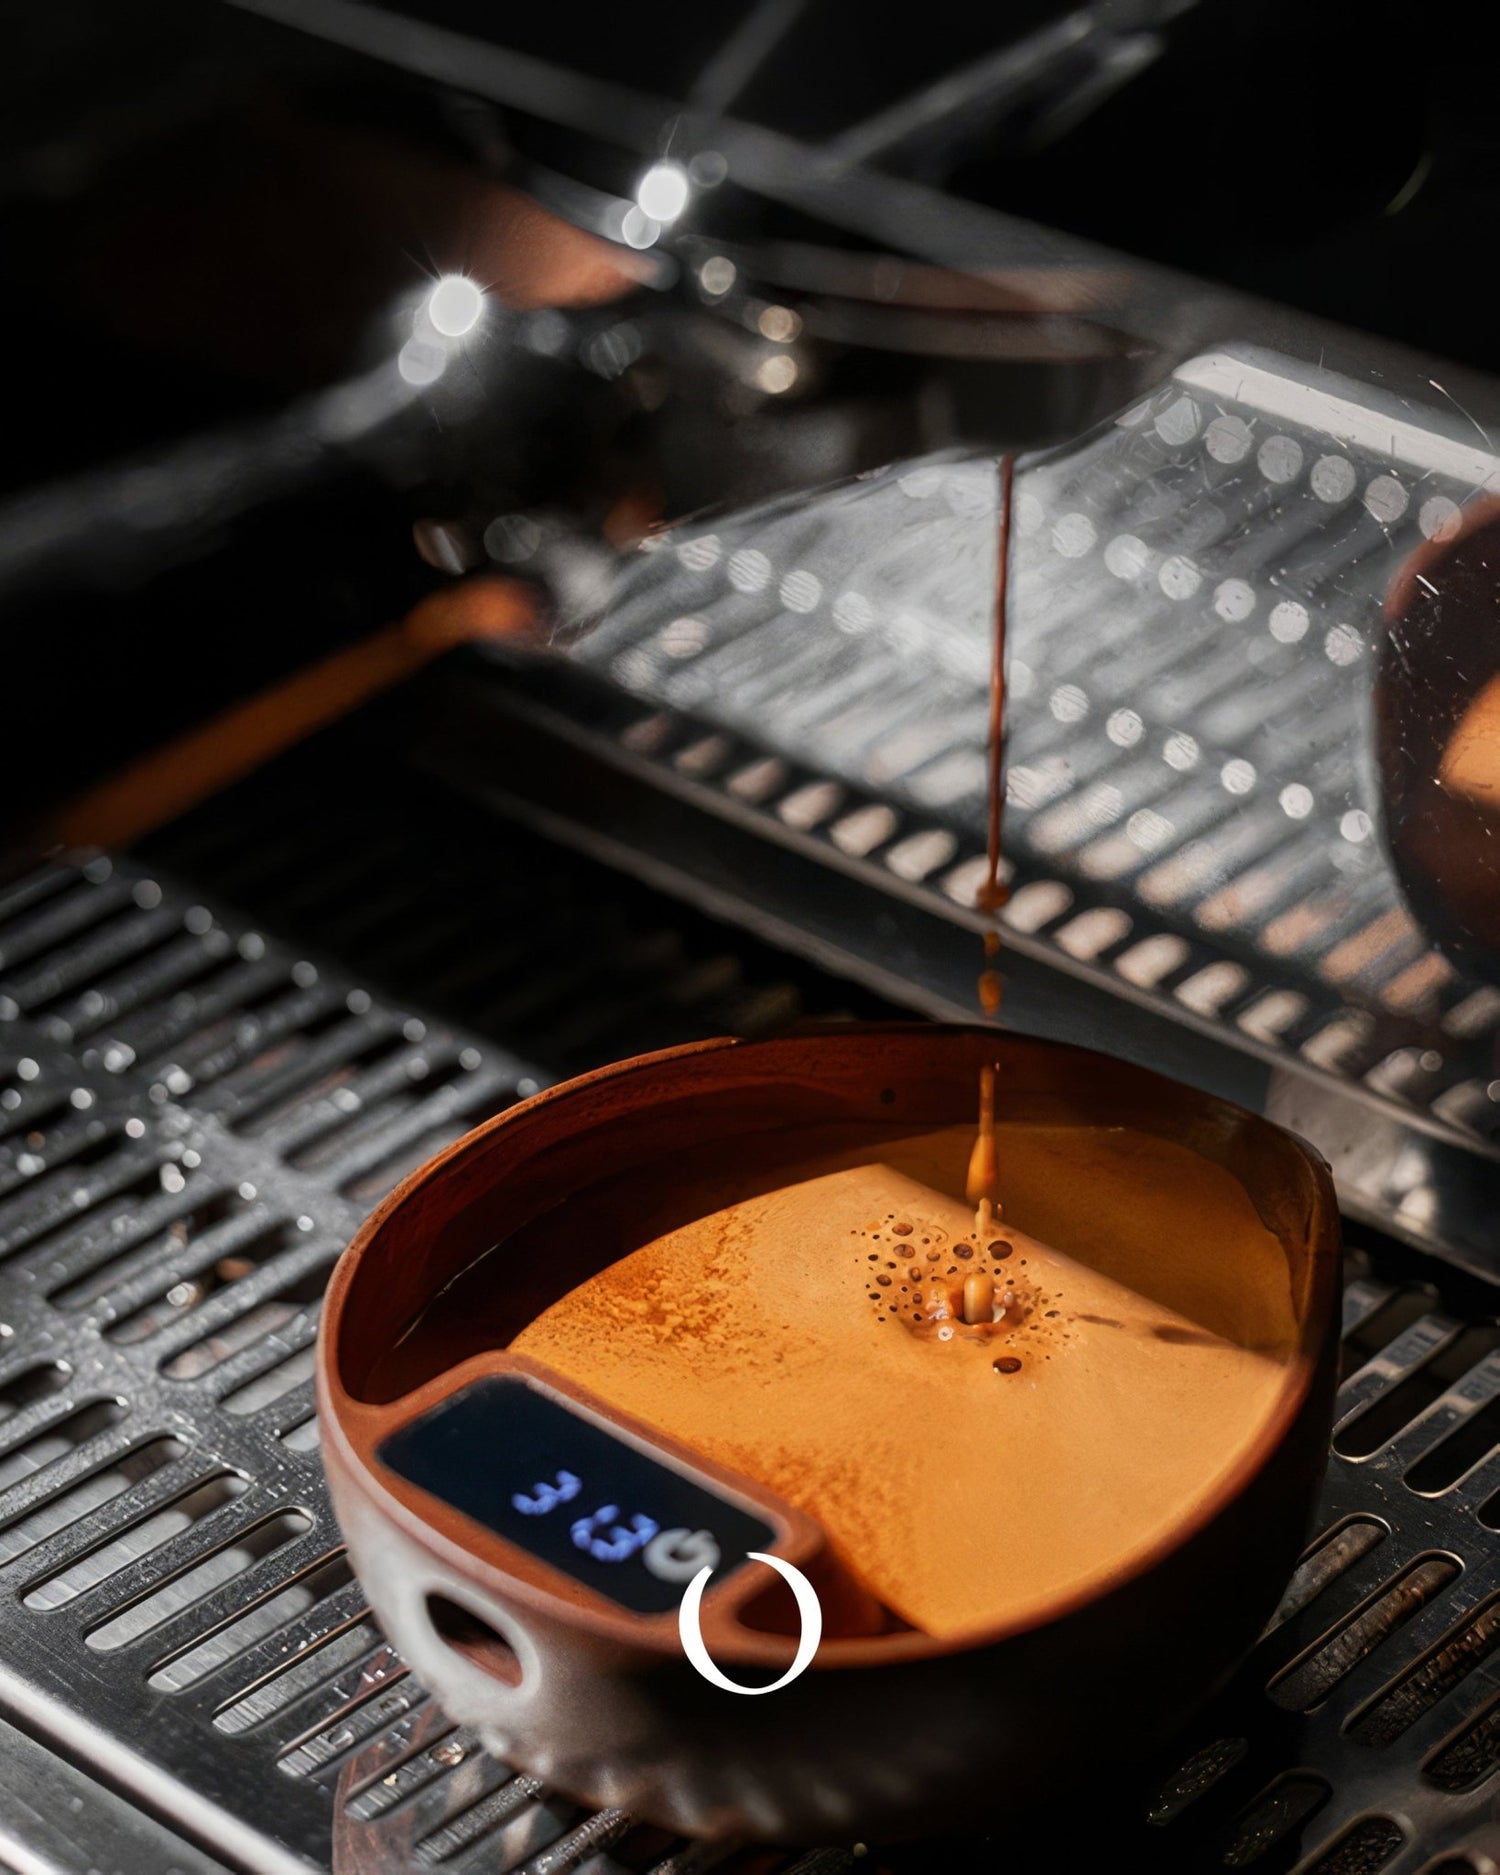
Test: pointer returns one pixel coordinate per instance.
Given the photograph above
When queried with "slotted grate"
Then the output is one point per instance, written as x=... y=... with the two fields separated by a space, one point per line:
x=195 y=1116
x=193 y=1121
x=1365 y=1731
x=188 y=1113
x=1196 y=604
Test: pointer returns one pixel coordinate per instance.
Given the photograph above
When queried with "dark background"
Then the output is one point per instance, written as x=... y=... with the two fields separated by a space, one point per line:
x=204 y=217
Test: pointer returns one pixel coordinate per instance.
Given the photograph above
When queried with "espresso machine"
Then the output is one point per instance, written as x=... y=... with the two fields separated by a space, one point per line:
x=515 y=588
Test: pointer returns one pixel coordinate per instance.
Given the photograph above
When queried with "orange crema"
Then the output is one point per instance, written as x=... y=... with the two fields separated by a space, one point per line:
x=969 y=1471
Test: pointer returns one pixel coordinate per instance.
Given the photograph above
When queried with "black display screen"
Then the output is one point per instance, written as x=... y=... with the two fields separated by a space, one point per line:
x=574 y=1494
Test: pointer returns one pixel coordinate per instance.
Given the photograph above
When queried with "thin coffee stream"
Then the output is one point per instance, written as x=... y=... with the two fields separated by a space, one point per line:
x=985 y=1409
x=983 y=1184
x=983 y=1416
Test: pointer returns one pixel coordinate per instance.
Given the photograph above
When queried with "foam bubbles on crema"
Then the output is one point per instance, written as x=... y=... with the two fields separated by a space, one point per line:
x=948 y=1290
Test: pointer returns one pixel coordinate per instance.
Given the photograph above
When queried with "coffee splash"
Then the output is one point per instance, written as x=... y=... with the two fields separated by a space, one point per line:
x=939 y=1287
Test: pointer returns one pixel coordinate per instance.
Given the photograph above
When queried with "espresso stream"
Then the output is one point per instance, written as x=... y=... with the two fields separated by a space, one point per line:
x=986 y=1412
x=982 y=1185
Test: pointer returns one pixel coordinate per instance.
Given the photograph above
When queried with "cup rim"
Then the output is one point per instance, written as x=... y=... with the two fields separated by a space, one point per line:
x=348 y=1449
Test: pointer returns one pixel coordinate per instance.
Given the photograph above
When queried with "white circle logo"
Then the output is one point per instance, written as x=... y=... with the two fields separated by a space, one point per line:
x=808 y=1607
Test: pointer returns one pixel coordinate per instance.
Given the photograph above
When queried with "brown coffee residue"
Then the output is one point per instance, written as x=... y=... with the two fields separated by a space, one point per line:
x=1180 y=1337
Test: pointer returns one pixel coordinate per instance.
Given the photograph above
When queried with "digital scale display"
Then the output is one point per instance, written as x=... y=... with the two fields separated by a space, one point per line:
x=574 y=1494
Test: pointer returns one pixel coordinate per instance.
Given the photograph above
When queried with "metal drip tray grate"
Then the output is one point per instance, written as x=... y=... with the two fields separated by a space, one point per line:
x=193 y=1118
x=1196 y=608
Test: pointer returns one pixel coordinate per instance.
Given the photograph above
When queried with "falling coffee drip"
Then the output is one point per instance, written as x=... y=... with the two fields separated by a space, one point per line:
x=993 y=894
x=984 y=1164
x=982 y=1185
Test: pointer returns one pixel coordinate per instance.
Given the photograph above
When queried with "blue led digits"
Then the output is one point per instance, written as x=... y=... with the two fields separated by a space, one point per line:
x=671 y=1555
x=532 y=1469
x=619 y=1542
x=545 y=1497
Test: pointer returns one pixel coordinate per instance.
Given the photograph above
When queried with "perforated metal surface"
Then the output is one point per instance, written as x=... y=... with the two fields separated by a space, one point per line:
x=181 y=1092
x=189 y=1114
x=1196 y=604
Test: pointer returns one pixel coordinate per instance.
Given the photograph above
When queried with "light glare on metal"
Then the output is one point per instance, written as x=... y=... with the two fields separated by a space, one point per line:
x=420 y=362
x=662 y=193
x=638 y=229
x=454 y=306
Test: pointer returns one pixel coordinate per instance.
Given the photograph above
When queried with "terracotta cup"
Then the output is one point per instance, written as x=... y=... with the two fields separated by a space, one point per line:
x=887 y=1733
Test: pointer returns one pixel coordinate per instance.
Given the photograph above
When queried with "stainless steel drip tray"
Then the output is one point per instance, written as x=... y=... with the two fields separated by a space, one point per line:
x=884 y=895
x=195 y=1113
